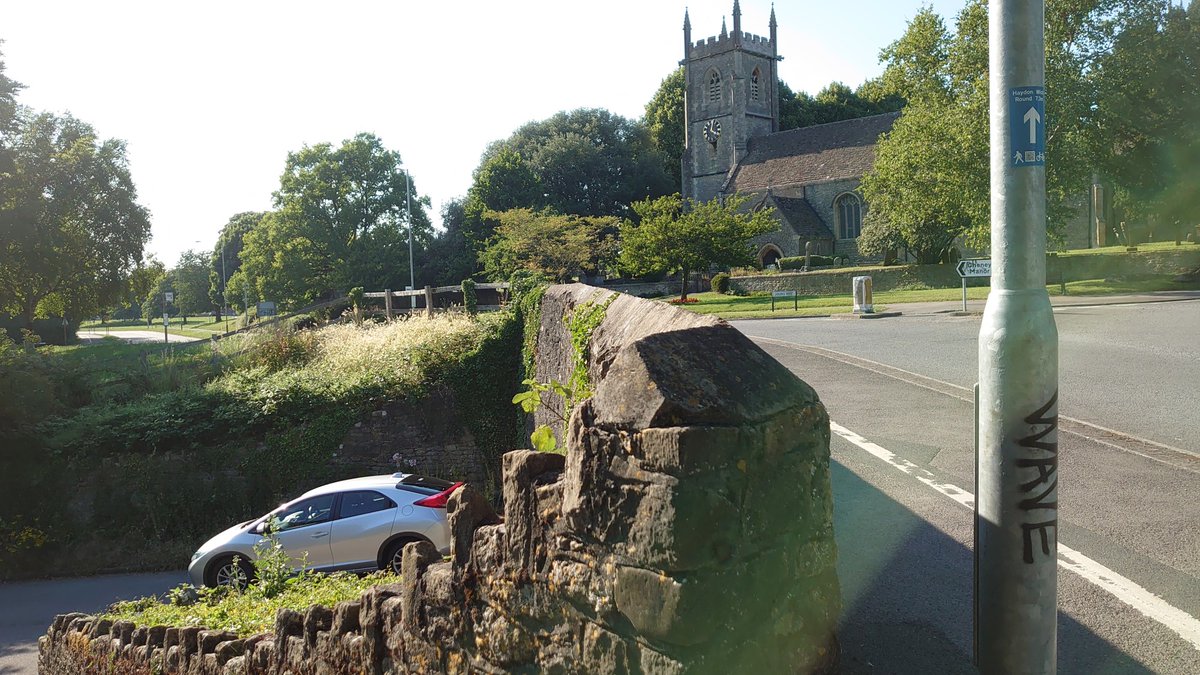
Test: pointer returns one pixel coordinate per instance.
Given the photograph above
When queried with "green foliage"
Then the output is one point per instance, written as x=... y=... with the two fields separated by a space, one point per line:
x=664 y=119
x=681 y=235
x=798 y=262
x=527 y=289
x=225 y=260
x=451 y=255
x=246 y=613
x=560 y=247
x=587 y=162
x=470 y=300
x=73 y=229
x=1151 y=152
x=162 y=438
x=341 y=220
x=580 y=324
x=834 y=103
x=720 y=283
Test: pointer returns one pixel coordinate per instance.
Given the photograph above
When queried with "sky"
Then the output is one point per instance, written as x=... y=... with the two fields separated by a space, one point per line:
x=211 y=96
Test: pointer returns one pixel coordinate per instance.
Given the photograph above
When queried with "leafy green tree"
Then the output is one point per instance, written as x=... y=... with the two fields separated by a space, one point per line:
x=683 y=236
x=190 y=277
x=664 y=120
x=450 y=257
x=72 y=227
x=1145 y=133
x=561 y=247
x=225 y=259
x=588 y=162
x=154 y=304
x=930 y=182
x=340 y=221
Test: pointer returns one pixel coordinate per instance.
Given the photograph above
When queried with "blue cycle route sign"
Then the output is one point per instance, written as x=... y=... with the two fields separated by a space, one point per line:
x=1027 y=126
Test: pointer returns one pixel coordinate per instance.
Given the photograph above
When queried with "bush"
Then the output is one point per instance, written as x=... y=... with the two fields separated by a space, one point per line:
x=720 y=283
x=797 y=262
x=470 y=300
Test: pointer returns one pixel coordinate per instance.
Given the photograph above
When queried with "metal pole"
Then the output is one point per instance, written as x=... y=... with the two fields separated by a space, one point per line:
x=964 y=283
x=224 y=283
x=165 y=339
x=1016 y=517
x=412 y=283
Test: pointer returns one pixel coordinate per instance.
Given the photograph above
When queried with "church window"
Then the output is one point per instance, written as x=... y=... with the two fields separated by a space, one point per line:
x=714 y=87
x=755 y=78
x=849 y=216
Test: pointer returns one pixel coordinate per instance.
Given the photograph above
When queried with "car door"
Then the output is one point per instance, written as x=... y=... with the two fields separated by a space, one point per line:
x=364 y=522
x=303 y=531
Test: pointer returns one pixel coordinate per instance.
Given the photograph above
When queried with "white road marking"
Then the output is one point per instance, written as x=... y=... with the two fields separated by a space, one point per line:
x=1119 y=586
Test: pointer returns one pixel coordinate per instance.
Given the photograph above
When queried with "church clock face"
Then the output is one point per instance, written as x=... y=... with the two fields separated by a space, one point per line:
x=712 y=131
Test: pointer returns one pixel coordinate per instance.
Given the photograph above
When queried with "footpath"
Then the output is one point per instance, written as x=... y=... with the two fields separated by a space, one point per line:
x=976 y=306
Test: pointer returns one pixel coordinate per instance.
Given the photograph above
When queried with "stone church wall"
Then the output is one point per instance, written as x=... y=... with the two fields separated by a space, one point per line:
x=688 y=529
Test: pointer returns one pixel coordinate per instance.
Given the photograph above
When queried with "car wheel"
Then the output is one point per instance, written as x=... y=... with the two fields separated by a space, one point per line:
x=230 y=571
x=394 y=555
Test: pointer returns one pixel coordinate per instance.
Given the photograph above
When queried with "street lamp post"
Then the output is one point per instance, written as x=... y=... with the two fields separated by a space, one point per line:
x=1016 y=516
x=412 y=281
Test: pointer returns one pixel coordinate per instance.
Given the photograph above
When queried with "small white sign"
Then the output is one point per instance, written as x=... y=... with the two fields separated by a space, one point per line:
x=978 y=267
x=170 y=296
x=783 y=294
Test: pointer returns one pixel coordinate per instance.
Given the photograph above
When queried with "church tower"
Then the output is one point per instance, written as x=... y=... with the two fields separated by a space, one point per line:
x=731 y=96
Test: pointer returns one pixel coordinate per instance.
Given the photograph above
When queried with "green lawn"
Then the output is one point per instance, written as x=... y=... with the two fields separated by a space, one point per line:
x=759 y=305
x=197 y=326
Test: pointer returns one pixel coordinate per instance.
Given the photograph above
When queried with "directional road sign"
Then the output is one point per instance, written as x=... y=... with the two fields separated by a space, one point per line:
x=976 y=267
x=1027 y=126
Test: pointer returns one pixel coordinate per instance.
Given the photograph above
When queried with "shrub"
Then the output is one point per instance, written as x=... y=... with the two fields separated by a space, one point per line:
x=797 y=262
x=720 y=283
x=470 y=300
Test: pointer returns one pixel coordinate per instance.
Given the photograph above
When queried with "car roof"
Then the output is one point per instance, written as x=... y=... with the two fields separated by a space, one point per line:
x=387 y=480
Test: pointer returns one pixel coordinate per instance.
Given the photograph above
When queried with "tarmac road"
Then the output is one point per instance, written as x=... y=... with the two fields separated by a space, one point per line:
x=139 y=336
x=27 y=608
x=903 y=477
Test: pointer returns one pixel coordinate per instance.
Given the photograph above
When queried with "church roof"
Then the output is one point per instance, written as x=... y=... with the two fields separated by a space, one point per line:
x=834 y=151
x=798 y=213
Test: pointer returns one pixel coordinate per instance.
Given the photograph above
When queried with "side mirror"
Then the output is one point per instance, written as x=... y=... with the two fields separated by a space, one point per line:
x=260 y=528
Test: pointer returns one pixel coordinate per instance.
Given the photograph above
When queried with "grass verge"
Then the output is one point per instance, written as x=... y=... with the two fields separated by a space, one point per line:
x=759 y=305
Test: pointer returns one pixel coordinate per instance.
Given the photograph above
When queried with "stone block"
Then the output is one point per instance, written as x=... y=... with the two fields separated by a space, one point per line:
x=466 y=510
x=710 y=376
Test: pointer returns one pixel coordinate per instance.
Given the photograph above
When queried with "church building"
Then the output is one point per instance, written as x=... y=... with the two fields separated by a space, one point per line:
x=733 y=145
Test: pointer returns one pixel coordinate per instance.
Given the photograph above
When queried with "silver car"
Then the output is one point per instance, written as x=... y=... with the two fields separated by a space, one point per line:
x=361 y=524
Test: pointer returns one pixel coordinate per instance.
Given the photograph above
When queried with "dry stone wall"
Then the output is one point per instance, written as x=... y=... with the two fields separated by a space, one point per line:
x=688 y=529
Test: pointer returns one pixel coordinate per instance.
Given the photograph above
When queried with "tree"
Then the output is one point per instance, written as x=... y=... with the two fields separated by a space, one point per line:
x=588 y=162
x=1151 y=151
x=450 y=257
x=155 y=303
x=72 y=227
x=664 y=120
x=191 y=282
x=684 y=236
x=561 y=247
x=930 y=181
x=225 y=259
x=340 y=221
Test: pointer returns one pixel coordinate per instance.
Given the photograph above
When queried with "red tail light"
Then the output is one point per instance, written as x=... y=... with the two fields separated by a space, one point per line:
x=439 y=500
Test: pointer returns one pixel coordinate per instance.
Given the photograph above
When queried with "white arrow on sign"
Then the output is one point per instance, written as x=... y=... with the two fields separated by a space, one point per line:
x=1032 y=118
x=974 y=267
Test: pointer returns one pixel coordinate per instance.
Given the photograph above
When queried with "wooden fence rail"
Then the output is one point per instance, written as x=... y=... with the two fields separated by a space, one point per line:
x=427 y=298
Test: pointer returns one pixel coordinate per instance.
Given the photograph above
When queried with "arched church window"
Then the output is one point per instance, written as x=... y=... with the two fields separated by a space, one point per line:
x=755 y=79
x=849 y=216
x=714 y=86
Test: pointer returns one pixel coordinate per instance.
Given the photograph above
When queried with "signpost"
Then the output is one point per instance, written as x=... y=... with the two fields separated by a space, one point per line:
x=1016 y=507
x=168 y=297
x=785 y=294
x=973 y=268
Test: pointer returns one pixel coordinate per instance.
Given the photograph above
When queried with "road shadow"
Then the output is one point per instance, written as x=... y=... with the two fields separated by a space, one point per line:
x=907 y=593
